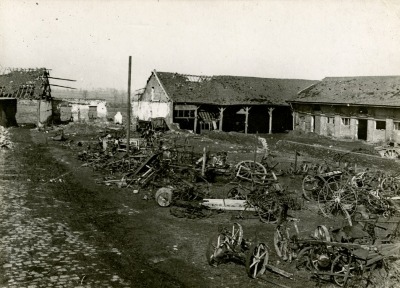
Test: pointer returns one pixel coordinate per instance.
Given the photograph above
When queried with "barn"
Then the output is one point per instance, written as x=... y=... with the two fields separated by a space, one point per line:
x=365 y=108
x=25 y=97
x=224 y=103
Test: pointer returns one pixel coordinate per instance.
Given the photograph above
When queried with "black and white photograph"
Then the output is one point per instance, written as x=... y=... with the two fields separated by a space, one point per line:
x=199 y=143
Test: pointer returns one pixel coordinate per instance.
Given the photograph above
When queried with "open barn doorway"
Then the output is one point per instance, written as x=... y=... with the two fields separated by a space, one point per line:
x=362 y=129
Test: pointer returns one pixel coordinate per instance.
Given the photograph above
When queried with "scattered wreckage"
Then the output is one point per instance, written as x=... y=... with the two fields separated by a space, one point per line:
x=5 y=141
x=343 y=255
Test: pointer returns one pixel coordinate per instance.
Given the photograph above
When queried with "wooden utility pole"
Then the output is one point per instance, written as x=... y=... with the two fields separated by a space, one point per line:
x=128 y=129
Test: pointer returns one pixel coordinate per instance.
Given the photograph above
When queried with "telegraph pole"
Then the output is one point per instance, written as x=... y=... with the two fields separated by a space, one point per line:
x=128 y=129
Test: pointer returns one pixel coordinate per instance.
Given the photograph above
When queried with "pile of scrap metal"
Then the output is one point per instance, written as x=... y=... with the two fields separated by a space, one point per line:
x=346 y=255
x=342 y=190
x=143 y=164
x=256 y=189
x=5 y=141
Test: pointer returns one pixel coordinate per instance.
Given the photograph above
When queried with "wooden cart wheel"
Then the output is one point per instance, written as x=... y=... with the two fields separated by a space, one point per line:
x=391 y=153
x=257 y=259
x=251 y=171
x=216 y=249
x=164 y=196
x=309 y=185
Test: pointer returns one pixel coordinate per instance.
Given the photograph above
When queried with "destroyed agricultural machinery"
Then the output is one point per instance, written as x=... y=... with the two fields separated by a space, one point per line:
x=229 y=244
x=341 y=255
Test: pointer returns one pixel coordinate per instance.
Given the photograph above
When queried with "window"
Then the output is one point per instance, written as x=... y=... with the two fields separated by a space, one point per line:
x=152 y=93
x=346 y=121
x=380 y=125
x=92 y=112
x=331 y=120
x=396 y=126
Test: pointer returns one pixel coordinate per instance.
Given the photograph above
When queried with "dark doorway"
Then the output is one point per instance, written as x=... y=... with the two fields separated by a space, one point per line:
x=362 y=129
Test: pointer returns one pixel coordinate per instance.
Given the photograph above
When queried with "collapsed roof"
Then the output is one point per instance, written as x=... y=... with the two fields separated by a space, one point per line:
x=366 y=90
x=230 y=90
x=25 y=84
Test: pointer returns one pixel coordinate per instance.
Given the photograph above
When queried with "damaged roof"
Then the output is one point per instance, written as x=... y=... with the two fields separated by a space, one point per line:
x=366 y=90
x=23 y=83
x=230 y=90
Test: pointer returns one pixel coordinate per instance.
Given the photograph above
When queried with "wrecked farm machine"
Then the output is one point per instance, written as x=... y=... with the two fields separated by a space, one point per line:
x=181 y=179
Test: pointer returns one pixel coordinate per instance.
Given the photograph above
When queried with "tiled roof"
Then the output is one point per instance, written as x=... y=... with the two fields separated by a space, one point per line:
x=230 y=90
x=23 y=83
x=366 y=90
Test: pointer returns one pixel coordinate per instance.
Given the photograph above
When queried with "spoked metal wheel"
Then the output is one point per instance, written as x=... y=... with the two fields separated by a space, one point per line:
x=257 y=259
x=338 y=197
x=281 y=241
x=236 y=235
x=267 y=208
x=164 y=196
x=216 y=249
x=343 y=270
x=251 y=171
x=310 y=185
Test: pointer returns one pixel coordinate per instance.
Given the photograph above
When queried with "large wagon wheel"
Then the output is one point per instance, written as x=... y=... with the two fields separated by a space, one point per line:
x=251 y=171
x=391 y=153
x=338 y=197
x=257 y=259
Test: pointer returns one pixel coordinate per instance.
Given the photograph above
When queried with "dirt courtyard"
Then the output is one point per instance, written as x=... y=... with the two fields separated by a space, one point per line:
x=130 y=237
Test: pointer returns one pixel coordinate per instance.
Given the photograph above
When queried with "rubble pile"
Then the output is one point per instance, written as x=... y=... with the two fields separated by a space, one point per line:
x=5 y=141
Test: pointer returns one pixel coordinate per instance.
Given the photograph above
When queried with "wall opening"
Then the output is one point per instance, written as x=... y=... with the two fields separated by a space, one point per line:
x=362 y=129
x=380 y=125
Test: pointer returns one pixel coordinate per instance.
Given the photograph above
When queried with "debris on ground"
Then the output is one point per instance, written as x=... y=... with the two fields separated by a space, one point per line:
x=5 y=141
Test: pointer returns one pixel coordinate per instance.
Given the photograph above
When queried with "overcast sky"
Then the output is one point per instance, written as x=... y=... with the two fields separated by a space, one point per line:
x=91 y=40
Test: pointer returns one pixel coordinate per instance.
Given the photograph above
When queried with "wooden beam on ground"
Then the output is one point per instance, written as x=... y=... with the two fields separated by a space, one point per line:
x=227 y=204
